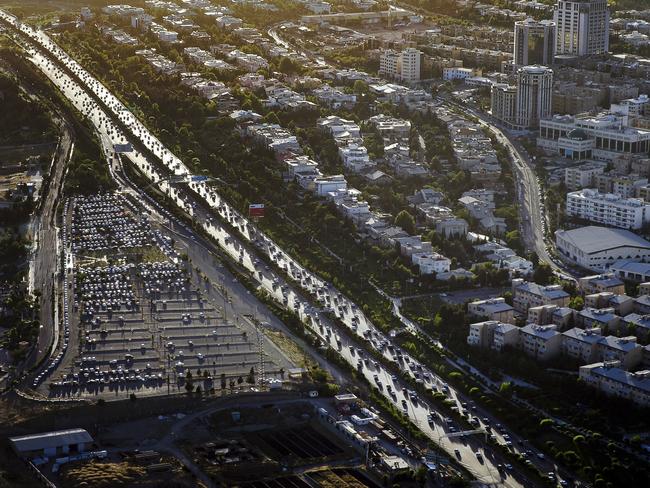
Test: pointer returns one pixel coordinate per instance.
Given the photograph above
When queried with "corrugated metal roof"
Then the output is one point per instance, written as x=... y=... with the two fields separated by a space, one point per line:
x=35 y=442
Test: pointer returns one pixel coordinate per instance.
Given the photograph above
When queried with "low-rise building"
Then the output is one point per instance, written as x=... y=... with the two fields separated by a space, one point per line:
x=601 y=318
x=632 y=271
x=542 y=342
x=583 y=175
x=526 y=294
x=541 y=315
x=602 y=282
x=582 y=344
x=51 y=444
x=493 y=334
x=609 y=378
x=636 y=324
x=492 y=309
x=431 y=263
x=622 y=349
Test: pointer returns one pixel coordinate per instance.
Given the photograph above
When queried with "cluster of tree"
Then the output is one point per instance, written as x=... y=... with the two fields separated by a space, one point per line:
x=22 y=120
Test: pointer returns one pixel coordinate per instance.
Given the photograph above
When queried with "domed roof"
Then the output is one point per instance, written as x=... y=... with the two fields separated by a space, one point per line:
x=578 y=135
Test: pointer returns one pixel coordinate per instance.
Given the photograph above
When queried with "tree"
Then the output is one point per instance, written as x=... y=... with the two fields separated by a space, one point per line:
x=250 y=379
x=406 y=221
x=576 y=303
x=543 y=274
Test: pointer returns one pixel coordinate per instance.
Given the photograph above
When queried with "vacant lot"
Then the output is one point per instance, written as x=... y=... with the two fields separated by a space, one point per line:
x=300 y=442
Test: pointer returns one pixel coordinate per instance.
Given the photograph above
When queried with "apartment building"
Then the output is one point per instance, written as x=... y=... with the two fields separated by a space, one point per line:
x=582 y=344
x=526 y=294
x=624 y=185
x=327 y=184
x=505 y=335
x=607 y=208
x=355 y=157
x=391 y=128
x=493 y=334
x=583 y=175
x=542 y=342
x=609 y=378
x=600 y=283
x=403 y=66
x=522 y=106
x=431 y=263
x=492 y=309
x=637 y=324
x=621 y=304
x=582 y=27
x=602 y=318
x=542 y=315
x=625 y=350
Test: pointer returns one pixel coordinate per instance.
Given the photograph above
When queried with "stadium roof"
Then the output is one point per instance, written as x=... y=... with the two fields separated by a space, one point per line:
x=593 y=239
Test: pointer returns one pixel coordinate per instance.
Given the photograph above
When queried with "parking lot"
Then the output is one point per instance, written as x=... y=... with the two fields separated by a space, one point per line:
x=143 y=326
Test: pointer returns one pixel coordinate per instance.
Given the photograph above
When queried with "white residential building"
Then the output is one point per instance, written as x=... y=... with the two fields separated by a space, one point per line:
x=404 y=66
x=609 y=209
x=327 y=184
x=430 y=263
x=355 y=157
x=582 y=176
x=454 y=73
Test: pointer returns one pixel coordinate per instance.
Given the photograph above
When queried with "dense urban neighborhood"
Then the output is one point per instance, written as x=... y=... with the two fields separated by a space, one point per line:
x=308 y=243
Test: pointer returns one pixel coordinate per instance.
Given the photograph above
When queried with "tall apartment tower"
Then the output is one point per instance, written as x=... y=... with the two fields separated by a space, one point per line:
x=404 y=66
x=534 y=95
x=534 y=42
x=582 y=27
x=410 y=64
x=521 y=106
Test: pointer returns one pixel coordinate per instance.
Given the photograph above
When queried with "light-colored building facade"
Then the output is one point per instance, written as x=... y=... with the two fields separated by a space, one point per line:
x=582 y=27
x=403 y=66
x=609 y=378
x=522 y=106
x=492 y=309
x=607 y=208
x=526 y=294
x=542 y=342
x=597 y=248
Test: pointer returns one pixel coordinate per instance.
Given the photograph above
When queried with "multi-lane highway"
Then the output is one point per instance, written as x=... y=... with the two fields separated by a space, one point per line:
x=335 y=320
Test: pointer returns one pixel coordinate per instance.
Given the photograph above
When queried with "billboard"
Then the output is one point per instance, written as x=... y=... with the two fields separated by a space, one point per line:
x=256 y=210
